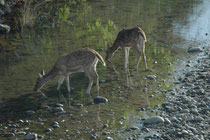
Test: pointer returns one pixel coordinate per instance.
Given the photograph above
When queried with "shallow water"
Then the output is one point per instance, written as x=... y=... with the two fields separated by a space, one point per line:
x=171 y=27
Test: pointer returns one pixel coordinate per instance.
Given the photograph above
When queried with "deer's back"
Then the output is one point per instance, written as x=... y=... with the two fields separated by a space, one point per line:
x=76 y=59
x=130 y=36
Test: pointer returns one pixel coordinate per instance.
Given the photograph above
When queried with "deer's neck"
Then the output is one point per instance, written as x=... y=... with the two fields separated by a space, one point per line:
x=115 y=46
x=49 y=76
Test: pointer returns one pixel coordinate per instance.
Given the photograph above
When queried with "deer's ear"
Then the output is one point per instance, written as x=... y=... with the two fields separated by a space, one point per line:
x=40 y=75
x=108 y=45
x=42 y=72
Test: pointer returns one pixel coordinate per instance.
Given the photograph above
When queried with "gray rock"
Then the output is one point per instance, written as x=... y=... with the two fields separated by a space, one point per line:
x=48 y=130
x=171 y=131
x=4 y=28
x=109 y=138
x=173 y=119
x=167 y=121
x=185 y=132
x=134 y=128
x=58 y=109
x=154 y=120
x=45 y=107
x=56 y=126
x=20 y=133
x=194 y=49
x=9 y=135
x=151 y=77
x=198 y=119
x=31 y=136
x=30 y=112
x=2 y=2
x=58 y=105
x=100 y=99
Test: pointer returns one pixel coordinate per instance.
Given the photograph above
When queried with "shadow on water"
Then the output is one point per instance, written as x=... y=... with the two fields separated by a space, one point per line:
x=93 y=25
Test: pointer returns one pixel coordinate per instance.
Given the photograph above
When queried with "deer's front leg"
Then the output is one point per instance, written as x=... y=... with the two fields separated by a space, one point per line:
x=68 y=85
x=60 y=82
x=126 y=55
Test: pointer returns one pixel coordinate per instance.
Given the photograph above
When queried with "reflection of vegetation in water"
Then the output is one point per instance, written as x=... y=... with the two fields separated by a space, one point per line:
x=63 y=14
x=98 y=31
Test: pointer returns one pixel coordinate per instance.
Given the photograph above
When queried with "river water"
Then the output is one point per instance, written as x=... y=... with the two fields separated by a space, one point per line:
x=170 y=26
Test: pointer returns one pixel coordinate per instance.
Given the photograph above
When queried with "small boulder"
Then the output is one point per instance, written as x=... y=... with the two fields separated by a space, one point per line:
x=31 y=136
x=154 y=120
x=100 y=99
x=58 y=109
x=5 y=28
x=194 y=49
x=30 y=112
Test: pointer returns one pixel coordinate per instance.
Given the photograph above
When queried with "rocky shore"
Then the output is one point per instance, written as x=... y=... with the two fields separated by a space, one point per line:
x=186 y=112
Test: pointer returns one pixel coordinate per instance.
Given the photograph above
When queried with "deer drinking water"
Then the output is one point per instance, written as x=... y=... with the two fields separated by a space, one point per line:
x=129 y=38
x=83 y=60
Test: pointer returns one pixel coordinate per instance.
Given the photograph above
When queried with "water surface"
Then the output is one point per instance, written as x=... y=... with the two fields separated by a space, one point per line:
x=170 y=26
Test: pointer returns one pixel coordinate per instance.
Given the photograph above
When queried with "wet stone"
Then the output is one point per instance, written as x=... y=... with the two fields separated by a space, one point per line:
x=58 y=109
x=9 y=135
x=100 y=99
x=167 y=121
x=151 y=77
x=20 y=133
x=31 y=136
x=171 y=131
x=109 y=138
x=46 y=107
x=48 y=130
x=154 y=120
x=194 y=49
x=58 y=105
x=134 y=128
x=56 y=126
x=30 y=112
x=106 y=133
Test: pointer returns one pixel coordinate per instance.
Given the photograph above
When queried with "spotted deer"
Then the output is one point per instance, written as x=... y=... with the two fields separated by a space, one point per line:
x=129 y=38
x=83 y=60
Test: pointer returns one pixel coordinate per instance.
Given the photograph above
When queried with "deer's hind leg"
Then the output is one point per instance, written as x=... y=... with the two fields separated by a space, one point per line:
x=95 y=76
x=90 y=77
x=142 y=48
x=138 y=54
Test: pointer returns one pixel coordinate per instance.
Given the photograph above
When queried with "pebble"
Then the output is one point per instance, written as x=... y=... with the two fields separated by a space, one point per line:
x=31 y=136
x=194 y=49
x=30 y=112
x=58 y=109
x=171 y=131
x=154 y=120
x=9 y=135
x=46 y=107
x=20 y=133
x=134 y=128
x=58 y=105
x=151 y=77
x=100 y=99
x=109 y=138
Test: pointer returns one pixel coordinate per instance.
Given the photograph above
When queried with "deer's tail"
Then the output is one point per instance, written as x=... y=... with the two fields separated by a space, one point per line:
x=100 y=58
x=143 y=34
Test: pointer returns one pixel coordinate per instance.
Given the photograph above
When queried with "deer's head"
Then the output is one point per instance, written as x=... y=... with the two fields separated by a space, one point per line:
x=109 y=54
x=40 y=81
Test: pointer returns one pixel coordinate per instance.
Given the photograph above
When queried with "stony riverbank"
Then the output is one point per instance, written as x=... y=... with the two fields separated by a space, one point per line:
x=186 y=112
